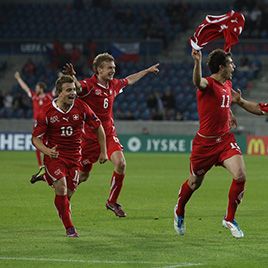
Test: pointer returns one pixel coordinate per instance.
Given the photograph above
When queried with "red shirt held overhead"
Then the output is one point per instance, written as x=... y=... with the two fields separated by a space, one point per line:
x=228 y=26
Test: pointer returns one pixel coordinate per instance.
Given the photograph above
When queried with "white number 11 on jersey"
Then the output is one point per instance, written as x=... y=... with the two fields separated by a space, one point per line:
x=225 y=101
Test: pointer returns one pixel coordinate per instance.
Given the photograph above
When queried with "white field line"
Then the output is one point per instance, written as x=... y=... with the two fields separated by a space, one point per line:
x=167 y=265
x=185 y=264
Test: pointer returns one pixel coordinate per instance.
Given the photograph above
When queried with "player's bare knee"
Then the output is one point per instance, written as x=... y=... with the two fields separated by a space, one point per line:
x=69 y=194
x=83 y=176
x=60 y=187
x=195 y=182
x=121 y=166
x=240 y=176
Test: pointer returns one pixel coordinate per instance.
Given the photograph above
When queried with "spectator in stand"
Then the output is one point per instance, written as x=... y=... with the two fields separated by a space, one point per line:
x=3 y=66
x=29 y=68
x=169 y=104
x=20 y=106
x=78 y=5
x=90 y=50
x=58 y=55
x=1 y=99
x=75 y=54
x=8 y=105
x=76 y=58
x=155 y=105
x=244 y=64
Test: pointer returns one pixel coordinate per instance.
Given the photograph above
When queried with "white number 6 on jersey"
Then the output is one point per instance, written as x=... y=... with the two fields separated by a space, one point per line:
x=105 y=103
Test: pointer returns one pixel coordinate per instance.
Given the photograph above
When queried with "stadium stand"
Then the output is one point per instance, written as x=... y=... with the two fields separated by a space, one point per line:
x=53 y=25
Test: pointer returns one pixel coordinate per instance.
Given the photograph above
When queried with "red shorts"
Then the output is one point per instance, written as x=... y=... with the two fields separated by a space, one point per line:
x=207 y=152
x=58 y=168
x=91 y=151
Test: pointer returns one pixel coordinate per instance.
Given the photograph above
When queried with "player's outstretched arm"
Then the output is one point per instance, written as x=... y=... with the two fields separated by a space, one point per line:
x=250 y=106
x=102 y=141
x=133 y=78
x=51 y=152
x=22 y=84
x=198 y=80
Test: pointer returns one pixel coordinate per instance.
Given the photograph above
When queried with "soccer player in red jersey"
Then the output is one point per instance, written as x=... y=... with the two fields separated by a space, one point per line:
x=250 y=106
x=99 y=92
x=39 y=100
x=213 y=144
x=62 y=121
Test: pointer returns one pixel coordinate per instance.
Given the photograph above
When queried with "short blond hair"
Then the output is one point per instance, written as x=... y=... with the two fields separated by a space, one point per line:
x=100 y=59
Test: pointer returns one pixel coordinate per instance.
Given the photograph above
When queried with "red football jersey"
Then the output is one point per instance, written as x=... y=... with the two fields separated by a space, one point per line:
x=214 y=107
x=264 y=107
x=65 y=129
x=100 y=99
x=39 y=102
x=229 y=26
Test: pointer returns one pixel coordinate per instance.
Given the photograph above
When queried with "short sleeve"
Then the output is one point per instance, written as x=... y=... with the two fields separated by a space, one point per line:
x=40 y=126
x=119 y=85
x=31 y=94
x=85 y=84
x=264 y=107
x=210 y=83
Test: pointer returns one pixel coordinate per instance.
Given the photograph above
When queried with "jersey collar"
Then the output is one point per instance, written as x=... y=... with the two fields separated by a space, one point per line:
x=59 y=109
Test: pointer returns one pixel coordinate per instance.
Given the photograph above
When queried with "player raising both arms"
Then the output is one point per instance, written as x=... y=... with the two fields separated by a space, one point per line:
x=61 y=122
x=99 y=92
x=213 y=144
x=39 y=100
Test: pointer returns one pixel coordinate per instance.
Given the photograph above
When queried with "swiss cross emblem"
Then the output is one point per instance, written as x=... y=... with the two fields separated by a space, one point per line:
x=76 y=117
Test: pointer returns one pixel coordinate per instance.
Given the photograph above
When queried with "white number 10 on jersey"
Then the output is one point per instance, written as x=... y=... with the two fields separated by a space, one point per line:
x=66 y=131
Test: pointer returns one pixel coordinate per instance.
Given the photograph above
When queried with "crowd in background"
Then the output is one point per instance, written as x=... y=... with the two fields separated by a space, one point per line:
x=162 y=101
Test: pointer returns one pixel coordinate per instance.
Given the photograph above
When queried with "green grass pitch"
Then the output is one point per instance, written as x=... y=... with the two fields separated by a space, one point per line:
x=31 y=234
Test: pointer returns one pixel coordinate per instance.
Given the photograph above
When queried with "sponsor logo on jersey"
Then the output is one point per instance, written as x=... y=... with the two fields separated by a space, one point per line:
x=66 y=119
x=54 y=119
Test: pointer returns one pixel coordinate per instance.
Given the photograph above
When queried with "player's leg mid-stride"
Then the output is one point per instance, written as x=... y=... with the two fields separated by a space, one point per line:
x=179 y=225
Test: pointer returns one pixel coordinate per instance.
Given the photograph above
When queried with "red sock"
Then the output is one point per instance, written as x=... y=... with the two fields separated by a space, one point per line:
x=116 y=185
x=38 y=156
x=185 y=193
x=63 y=206
x=235 y=196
